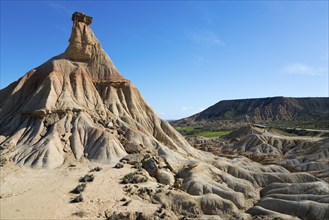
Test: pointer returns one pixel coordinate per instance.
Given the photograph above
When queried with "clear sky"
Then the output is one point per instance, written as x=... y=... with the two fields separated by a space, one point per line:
x=183 y=56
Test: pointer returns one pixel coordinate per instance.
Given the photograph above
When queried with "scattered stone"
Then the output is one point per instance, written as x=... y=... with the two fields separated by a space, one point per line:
x=147 y=190
x=132 y=158
x=110 y=125
x=119 y=165
x=80 y=188
x=96 y=169
x=147 y=156
x=124 y=161
x=128 y=190
x=242 y=216
x=87 y=178
x=3 y=161
x=77 y=199
x=80 y=213
x=126 y=203
x=133 y=148
x=138 y=166
x=178 y=182
x=162 y=215
x=165 y=177
x=150 y=166
x=113 y=215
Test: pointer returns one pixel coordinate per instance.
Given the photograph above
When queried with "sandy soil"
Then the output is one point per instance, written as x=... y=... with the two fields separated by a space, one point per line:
x=45 y=194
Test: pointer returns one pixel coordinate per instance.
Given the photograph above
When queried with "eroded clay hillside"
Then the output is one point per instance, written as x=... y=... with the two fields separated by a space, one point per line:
x=272 y=146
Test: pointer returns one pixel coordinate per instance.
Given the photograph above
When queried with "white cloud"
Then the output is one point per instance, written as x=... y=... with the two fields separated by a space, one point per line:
x=302 y=69
x=206 y=37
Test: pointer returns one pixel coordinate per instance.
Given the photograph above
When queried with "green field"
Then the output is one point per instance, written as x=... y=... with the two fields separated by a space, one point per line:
x=187 y=128
x=201 y=131
x=213 y=133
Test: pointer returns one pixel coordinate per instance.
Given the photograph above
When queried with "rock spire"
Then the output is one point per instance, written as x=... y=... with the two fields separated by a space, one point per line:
x=78 y=106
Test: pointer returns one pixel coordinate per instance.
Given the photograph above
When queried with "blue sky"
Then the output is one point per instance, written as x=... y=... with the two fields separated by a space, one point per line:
x=183 y=56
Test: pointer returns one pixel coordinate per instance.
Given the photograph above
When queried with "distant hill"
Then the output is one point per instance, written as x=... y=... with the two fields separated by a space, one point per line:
x=309 y=112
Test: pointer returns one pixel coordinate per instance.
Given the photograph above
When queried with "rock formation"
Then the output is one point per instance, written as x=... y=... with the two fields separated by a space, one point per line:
x=268 y=146
x=77 y=105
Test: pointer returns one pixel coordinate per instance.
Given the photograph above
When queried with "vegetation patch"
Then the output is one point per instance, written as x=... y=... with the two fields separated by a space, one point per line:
x=202 y=131
x=299 y=132
x=214 y=133
x=282 y=132
x=136 y=177
x=189 y=130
